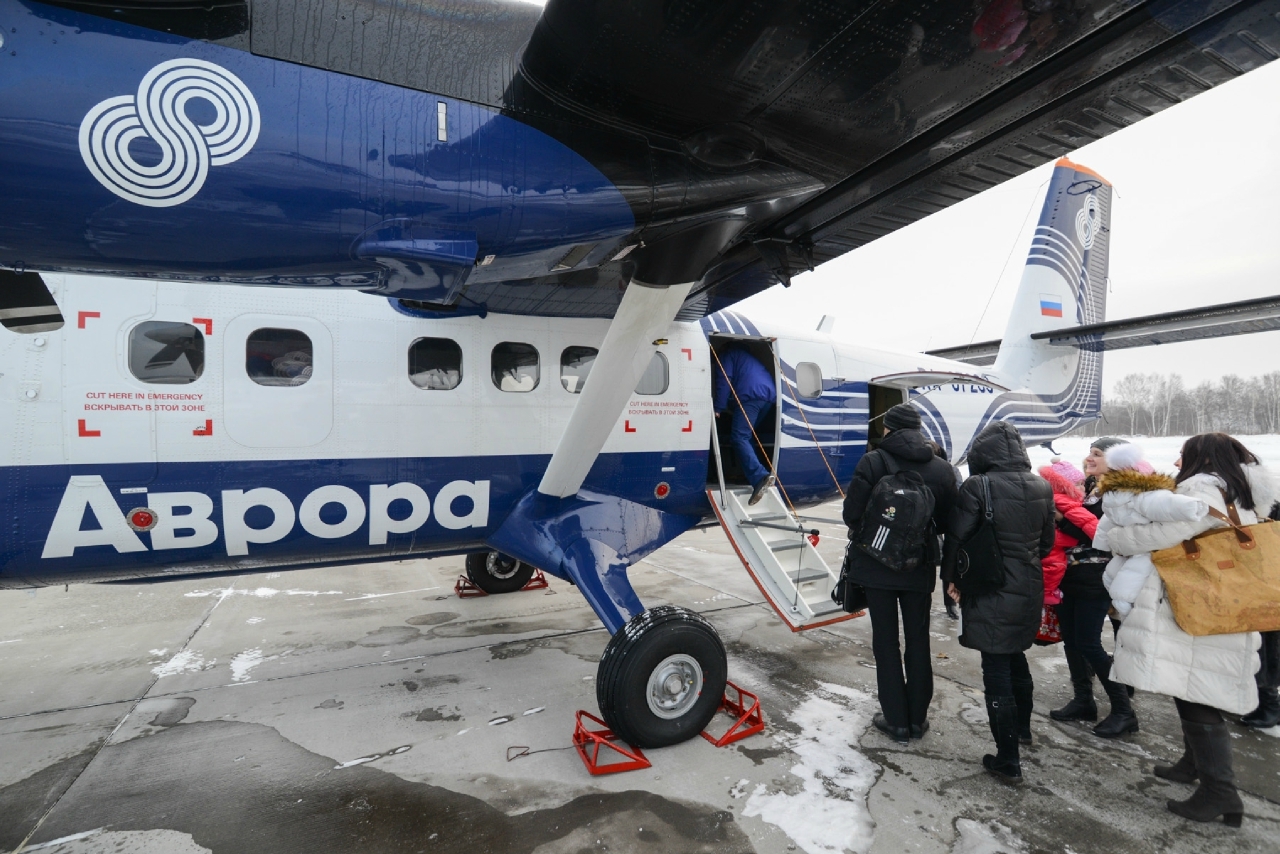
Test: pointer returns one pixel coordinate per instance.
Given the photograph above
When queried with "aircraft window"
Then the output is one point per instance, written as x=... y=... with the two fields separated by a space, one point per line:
x=809 y=379
x=655 y=378
x=575 y=364
x=278 y=357
x=435 y=363
x=515 y=366
x=166 y=353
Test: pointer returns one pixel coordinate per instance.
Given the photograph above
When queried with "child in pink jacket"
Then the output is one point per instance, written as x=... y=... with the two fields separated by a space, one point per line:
x=1071 y=517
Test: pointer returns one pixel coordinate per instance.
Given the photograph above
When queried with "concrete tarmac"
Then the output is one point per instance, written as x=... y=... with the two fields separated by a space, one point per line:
x=366 y=708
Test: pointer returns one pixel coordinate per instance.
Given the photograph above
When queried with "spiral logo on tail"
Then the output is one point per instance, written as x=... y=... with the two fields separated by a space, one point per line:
x=1087 y=221
x=158 y=112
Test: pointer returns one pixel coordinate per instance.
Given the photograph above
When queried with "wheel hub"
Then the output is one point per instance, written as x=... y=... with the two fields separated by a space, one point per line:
x=500 y=566
x=674 y=686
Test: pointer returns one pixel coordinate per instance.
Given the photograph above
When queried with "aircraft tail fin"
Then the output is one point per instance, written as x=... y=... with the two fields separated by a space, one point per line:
x=1064 y=284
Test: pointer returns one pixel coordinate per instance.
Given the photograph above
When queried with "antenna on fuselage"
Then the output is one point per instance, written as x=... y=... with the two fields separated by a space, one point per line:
x=827 y=323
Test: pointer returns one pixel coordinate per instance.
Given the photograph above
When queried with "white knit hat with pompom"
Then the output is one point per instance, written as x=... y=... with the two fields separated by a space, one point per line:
x=1124 y=456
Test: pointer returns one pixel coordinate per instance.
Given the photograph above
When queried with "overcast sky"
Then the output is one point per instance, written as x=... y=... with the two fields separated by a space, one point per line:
x=1195 y=221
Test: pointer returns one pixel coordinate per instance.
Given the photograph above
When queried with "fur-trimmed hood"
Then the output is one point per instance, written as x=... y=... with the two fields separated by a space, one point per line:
x=1129 y=480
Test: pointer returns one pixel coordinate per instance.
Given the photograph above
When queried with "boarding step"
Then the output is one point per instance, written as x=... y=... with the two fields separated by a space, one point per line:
x=787 y=569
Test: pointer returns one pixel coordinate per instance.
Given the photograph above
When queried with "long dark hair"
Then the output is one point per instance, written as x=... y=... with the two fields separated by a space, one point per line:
x=1220 y=454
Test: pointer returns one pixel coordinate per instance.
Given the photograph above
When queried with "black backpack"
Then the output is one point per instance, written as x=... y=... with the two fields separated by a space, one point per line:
x=898 y=521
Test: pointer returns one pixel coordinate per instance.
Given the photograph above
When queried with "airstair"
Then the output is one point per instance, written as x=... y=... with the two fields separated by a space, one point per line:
x=775 y=549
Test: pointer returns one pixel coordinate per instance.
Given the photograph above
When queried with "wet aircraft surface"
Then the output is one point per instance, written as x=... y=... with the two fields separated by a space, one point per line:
x=366 y=708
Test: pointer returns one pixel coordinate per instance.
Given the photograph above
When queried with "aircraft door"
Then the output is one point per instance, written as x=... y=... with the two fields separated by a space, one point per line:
x=108 y=417
x=277 y=381
x=817 y=422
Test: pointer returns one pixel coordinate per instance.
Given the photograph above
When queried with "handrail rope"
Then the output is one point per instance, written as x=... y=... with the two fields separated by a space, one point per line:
x=752 y=428
x=796 y=391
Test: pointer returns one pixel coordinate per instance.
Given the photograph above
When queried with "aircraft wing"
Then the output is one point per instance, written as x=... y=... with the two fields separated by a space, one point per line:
x=1215 y=321
x=574 y=145
x=895 y=110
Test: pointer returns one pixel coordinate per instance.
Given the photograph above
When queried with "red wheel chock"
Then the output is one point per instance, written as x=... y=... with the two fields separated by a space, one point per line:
x=589 y=741
x=748 y=719
x=466 y=588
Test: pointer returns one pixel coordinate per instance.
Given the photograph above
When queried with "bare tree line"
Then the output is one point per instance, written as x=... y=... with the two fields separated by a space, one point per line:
x=1162 y=405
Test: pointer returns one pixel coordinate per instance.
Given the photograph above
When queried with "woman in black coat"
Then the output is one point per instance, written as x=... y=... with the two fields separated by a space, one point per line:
x=1002 y=625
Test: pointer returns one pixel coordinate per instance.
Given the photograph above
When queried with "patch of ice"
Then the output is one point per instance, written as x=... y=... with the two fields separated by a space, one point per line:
x=973 y=713
x=1050 y=663
x=15 y=640
x=739 y=789
x=253 y=621
x=975 y=837
x=397 y=593
x=1274 y=731
x=370 y=758
x=527 y=712
x=158 y=652
x=260 y=592
x=941 y=637
x=829 y=813
x=245 y=661
x=187 y=661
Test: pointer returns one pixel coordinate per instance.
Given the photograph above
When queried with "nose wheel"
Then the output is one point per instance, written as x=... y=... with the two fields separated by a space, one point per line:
x=494 y=572
x=661 y=677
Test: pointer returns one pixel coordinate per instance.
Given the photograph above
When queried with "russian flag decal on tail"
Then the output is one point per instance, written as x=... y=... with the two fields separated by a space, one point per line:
x=1050 y=306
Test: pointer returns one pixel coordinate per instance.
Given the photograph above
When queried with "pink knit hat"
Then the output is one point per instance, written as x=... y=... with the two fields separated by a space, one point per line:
x=1068 y=471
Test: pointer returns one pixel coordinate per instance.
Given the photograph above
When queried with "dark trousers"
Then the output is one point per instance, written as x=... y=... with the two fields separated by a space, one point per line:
x=1003 y=673
x=1269 y=673
x=741 y=438
x=904 y=698
x=1197 y=713
x=1082 y=621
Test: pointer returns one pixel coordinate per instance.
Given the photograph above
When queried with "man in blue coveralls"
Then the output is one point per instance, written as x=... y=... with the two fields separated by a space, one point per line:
x=754 y=385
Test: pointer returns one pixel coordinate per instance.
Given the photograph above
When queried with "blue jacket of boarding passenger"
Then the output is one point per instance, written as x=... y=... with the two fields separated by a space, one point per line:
x=751 y=380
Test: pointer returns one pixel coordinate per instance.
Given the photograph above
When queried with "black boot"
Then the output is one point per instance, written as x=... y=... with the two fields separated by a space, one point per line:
x=1023 y=695
x=1182 y=771
x=1268 y=712
x=1081 y=707
x=1003 y=712
x=1217 y=795
x=1122 y=720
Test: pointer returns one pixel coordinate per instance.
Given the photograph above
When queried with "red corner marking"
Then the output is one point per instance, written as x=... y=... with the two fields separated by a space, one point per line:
x=85 y=315
x=688 y=428
x=687 y=352
x=627 y=428
x=86 y=432
x=206 y=430
x=206 y=322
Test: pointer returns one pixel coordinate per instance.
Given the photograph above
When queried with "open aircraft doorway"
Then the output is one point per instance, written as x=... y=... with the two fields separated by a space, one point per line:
x=766 y=431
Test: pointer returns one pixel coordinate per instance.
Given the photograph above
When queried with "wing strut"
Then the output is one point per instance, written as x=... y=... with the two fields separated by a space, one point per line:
x=644 y=315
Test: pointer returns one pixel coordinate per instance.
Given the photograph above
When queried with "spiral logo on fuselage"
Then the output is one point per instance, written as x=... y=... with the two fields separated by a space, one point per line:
x=1087 y=221
x=158 y=112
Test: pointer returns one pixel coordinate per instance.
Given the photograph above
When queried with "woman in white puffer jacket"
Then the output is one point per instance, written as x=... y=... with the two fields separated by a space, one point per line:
x=1204 y=675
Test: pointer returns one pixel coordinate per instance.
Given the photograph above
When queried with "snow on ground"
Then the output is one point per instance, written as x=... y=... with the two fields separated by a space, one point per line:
x=829 y=813
x=187 y=661
x=975 y=837
x=1161 y=451
x=245 y=661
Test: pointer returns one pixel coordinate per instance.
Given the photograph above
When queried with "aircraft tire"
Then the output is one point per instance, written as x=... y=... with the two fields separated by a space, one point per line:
x=494 y=572
x=661 y=677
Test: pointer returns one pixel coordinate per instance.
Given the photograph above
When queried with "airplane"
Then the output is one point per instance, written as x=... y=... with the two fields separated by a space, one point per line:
x=169 y=429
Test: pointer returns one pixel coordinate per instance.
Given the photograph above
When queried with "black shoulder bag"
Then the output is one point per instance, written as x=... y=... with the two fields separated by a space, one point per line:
x=848 y=594
x=979 y=564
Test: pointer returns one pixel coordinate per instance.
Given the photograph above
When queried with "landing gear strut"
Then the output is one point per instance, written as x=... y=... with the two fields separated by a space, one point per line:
x=494 y=572
x=661 y=677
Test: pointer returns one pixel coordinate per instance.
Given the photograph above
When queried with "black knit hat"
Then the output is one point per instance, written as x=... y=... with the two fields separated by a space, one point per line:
x=1105 y=443
x=902 y=417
